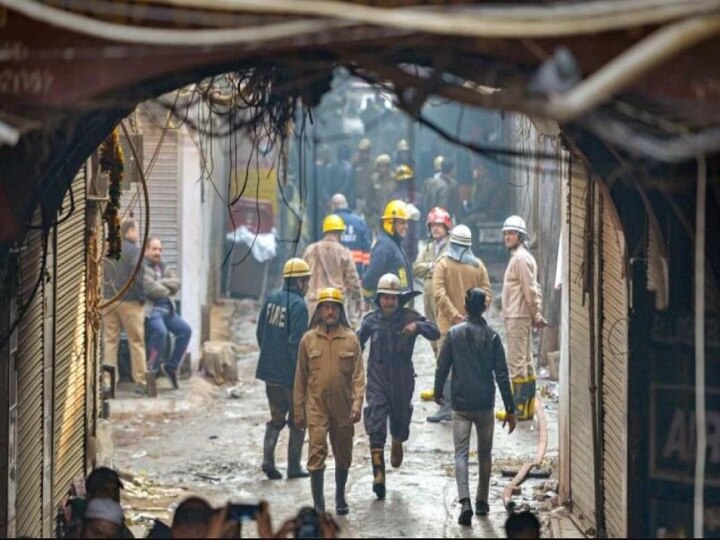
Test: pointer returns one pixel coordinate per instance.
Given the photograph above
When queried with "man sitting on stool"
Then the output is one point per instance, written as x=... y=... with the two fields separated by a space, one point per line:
x=160 y=286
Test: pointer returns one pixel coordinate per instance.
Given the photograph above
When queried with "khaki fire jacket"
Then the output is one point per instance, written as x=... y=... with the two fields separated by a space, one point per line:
x=330 y=375
x=451 y=280
x=521 y=294
x=424 y=267
x=331 y=265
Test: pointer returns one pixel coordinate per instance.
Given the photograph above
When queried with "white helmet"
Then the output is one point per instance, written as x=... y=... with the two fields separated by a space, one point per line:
x=461 y=235
x=438 y=163
x=389 y=284
x=515 y=223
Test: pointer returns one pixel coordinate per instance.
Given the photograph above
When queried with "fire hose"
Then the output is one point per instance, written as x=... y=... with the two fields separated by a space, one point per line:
x=542 y=442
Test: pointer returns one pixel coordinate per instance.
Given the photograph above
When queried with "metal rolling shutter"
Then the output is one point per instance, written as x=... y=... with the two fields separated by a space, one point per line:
x=582 y=477
x=163 y=187
x=614 y=375
x=70 y=342
x=29 y=365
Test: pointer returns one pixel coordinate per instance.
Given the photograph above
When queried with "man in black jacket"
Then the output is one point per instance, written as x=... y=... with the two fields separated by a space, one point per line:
x=475 y=353
x=392 y=330
x=283 y=321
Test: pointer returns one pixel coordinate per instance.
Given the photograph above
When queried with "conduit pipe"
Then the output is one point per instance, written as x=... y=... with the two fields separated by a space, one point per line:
x=496 y=22
x=631 y=65
x=700 y=425
x=542 y=443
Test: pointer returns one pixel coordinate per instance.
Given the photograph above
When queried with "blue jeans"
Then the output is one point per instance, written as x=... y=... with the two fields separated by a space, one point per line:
x=159 y=324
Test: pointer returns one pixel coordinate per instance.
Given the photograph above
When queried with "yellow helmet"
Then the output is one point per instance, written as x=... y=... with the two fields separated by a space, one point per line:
x=396 y=209
x=333 y=223
x=404 y=172
x=296 y=267
x=329 y=294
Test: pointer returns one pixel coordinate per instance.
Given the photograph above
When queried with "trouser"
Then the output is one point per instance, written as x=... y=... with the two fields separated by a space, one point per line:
x=463 y=422
x=280 y=400
x=519 y=348
x=131 y=317
x=390 y=388
x=329 y=415
x=430 y=312
x=160 y=323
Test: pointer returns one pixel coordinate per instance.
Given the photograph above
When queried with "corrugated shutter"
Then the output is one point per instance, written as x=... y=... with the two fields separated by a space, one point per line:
x=29 y=364
x=163 y=187
x=582 y=476
x=614 y=376
x=70 y=325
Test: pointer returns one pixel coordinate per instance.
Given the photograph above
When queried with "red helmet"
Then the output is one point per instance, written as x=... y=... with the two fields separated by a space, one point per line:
x=439 y=215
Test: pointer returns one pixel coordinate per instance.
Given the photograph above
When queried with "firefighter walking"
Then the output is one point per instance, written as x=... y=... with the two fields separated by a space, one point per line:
x=387 y=255
x=331 y=263
x=392 y=330
x=282 y=322
x=328 y=394
x=522 y=310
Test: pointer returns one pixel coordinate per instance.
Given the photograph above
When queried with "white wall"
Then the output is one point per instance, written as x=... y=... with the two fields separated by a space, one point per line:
x=194 y=259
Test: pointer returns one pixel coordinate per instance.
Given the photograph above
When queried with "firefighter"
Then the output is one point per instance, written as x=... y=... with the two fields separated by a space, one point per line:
x=403 y=154
x=442 y=189
x=387 y=255
x=405 y=191
x=331 y=263
x=363 y=165
x=439 y=224
x=328 y=394
x=453 y=275
x=379 y=195
x=282 y=322
x=522 y=310
x=392 y=330
x=357 y=236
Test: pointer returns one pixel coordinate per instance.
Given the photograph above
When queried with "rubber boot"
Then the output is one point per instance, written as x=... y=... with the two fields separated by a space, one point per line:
x=396 y=454
x=341 y=505
x=378 y=469
x=295 y=446
x=444 y=413
x=524 y=396
x=317 y=480
x=268 y=464
x=466 y=513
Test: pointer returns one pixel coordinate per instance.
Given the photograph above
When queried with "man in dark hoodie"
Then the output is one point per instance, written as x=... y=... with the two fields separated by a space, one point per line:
x=392 y=330
x=282 y=322
x=475 y=353
x=388 y=255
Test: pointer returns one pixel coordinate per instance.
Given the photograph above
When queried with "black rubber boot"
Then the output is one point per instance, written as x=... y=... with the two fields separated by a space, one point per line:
x=466 y=512
x=295 y=446
x=341 y=505
x=268 y=464
x=317 y=480
x=378 y=468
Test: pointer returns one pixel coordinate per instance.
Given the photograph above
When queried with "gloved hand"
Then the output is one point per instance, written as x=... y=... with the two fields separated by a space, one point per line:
x=439 y=399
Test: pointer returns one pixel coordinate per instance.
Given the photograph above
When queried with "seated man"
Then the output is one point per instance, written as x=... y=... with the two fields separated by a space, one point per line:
x=160 y=285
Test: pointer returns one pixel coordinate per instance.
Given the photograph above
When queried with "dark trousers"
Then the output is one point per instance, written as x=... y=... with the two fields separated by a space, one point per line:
x=390 y=390
x=160 y=323
x=280 y=400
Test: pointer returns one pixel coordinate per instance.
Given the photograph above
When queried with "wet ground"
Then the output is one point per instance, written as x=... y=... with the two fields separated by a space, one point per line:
x=209 y=442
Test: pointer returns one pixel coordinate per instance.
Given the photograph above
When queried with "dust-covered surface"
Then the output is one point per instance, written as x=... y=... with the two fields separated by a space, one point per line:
x=210 y=443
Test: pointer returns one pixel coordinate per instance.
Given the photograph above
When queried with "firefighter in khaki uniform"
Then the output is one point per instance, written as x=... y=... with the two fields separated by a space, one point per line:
x=328 y=394
x=331 y=263
x=522 y=309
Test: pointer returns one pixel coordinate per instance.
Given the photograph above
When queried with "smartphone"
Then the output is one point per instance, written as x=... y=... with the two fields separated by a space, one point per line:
x=243 y=512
